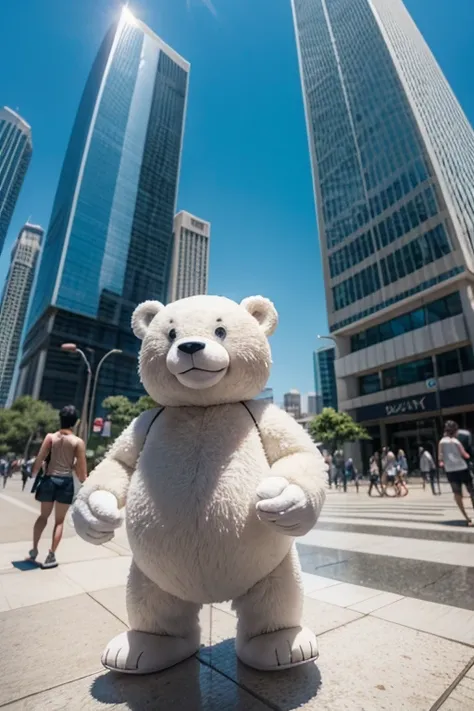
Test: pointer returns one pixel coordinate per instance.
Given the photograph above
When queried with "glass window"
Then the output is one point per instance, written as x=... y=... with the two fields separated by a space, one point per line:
x=399 y=263
x=406 y=184
x=401 y=324
x=392 y=236
x=421 y=208
x=373 y=336
x=413 y=214
x=397 y=221
x=431 y=201
x=448 y=363
x=389 y=378
x=391 y=269
x=384 y=200
x=453 y=304
x=405 y=219
x=414 y=372
x=369 y=384
x=383 y=233
x=390 y=195
x=416 y=253
x=385 y=331
x=467 y=358
x=418 y=318
x=437 y=311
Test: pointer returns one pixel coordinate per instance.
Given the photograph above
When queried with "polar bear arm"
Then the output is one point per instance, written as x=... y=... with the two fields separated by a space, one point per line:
x=291 y=452
x=114 y=471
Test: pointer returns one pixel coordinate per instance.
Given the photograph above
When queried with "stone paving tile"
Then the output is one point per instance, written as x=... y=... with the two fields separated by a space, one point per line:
x=344 y=594
x=71 y=550
x=190 y=686
x=442 y=620
x=35 y=586
x=52 y=643
x=114 y=600
x=361 y=668
x=97 y=574
x=375 y=603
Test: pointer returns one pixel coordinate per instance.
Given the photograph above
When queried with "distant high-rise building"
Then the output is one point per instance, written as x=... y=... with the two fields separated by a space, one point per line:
x=325 y=377
x=393 y=167
x=314 y=404
x=266 y=394
x=15 y=155
x=292 y=403
x=109 y=242
x=190 y=266
x=15 y=299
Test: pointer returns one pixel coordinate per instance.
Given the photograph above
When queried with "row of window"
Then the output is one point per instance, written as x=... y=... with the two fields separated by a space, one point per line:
x=413 y=256
x=454 y=361
x=401 y=222
x=433 y=312
x=421 y=286
x=402 y=186
x=407 y=218
x=357 y=287
x=427 y=248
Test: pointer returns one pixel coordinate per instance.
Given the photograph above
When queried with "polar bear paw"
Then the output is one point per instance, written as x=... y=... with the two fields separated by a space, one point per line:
x=135 y=652
x=279 y=650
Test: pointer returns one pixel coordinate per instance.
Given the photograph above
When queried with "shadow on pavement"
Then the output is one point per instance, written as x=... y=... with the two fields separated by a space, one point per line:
x=25 y=565
x=219 y=683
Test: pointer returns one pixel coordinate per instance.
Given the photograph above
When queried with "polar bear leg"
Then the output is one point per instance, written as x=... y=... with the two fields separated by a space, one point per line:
x=164 y=630
x=269 y=632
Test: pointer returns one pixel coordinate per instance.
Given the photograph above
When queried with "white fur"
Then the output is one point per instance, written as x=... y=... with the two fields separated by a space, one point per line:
x=213 y=503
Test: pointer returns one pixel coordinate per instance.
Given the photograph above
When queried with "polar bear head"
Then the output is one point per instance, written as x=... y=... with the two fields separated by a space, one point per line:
x=204 y=350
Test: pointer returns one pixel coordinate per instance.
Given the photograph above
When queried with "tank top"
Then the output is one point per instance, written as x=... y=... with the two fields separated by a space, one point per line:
x=63 y=454
x=452 y=457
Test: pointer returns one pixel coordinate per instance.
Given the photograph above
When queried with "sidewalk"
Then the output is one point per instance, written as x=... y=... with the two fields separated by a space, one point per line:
x=378 y=651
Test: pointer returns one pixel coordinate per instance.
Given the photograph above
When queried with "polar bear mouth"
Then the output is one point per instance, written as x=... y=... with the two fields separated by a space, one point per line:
x=200 y=378
x=203 y=370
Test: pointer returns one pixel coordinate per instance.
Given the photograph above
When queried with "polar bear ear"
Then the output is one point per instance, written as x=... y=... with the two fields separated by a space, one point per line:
x=143 y=316
x=263 y=311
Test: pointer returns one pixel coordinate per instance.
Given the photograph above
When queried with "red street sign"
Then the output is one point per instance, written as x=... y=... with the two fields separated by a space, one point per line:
x=98 y=424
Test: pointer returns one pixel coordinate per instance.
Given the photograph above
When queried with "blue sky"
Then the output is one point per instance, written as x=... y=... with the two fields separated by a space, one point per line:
x=245 y=163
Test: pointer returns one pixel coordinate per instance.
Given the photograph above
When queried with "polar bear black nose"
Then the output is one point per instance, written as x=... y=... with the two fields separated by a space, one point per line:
x=191 y=347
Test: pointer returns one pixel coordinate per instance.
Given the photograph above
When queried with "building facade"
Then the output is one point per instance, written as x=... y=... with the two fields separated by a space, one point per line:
x=109 y=243
x=292 y=403
x=266 y=394
x=190 y=265
x=15 y=155
x=393 y=166
x=15 y=300
x=325 y=377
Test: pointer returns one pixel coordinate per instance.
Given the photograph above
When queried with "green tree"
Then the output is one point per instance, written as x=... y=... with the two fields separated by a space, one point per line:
x=23 y=426
x=122 y=410
x=334 y=428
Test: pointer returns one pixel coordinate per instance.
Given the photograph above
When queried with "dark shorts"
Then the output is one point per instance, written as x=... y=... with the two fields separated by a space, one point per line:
x=56 y=488
x=457 y=479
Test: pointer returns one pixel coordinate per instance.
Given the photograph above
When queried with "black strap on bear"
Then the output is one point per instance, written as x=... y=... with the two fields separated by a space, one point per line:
x=242 y=403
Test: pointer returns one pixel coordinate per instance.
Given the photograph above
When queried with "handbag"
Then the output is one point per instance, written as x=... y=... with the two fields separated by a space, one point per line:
x=39 y=478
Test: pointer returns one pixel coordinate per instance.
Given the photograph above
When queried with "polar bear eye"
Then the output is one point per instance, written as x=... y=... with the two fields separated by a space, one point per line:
x=220 y=332
x=172 y=334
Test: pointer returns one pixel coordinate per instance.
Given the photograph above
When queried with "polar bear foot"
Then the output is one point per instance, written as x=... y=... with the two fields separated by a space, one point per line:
x=135 y=652
x=279 y=650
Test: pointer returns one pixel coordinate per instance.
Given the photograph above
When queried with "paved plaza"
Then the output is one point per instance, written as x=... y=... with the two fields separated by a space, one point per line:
x=389 y=590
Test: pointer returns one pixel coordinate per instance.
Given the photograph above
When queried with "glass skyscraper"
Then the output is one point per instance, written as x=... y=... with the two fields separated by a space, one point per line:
x=15 y=155
x=15 y=300
x=109 y=243
x=393 y=166
x=190 y=264
x=325 y=376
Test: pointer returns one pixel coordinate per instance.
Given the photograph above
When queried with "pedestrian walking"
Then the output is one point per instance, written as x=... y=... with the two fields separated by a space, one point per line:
x=61 y=453
x=454 y=459
x=402 y=470
x=389 y=468
x=428 y=470
x=4 y=471
x=340 y=469
x=374 y=473
x=352 y=473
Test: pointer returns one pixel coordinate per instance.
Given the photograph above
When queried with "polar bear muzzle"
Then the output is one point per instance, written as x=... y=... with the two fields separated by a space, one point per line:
x=197 y=363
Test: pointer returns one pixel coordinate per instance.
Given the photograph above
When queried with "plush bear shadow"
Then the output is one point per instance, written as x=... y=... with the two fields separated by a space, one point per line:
x=219 y=682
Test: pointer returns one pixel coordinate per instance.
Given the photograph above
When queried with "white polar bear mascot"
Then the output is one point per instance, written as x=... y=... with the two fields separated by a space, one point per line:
x=215 y=485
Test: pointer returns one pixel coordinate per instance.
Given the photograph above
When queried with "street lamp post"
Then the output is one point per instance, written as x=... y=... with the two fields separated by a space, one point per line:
x=72 y=348
x=86 y=423
x=94 y=389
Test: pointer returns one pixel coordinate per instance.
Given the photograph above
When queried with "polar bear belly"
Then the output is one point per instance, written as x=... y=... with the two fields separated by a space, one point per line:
x=191 y=516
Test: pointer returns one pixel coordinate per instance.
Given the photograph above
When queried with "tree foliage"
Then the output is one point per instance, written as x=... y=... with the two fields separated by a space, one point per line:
x=122 y=411
x=334 y=428
x=23 y=426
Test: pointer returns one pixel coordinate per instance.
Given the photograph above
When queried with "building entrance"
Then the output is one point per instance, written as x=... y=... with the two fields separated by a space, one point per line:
x=410 y=436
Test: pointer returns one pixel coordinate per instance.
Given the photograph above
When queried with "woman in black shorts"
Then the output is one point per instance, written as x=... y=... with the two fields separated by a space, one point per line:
x=61 y=453
x=453 y=457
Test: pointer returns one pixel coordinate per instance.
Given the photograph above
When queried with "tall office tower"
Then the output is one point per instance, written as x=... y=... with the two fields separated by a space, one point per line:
x=325 y=377
x=15 y=299
x=266 y=394
x=393 y=167
x=190 y=266
x=15 y=155
x=292 y=403
x=109 y=243
x=314 y=404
